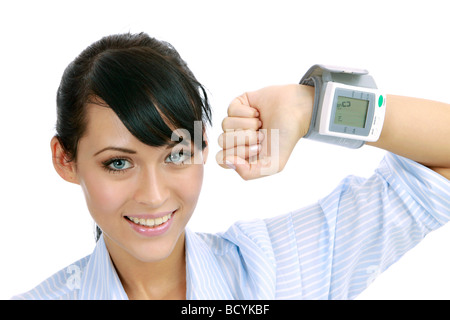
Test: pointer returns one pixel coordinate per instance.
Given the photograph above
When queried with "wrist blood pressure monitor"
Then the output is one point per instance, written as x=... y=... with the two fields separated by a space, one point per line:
x=348 y=107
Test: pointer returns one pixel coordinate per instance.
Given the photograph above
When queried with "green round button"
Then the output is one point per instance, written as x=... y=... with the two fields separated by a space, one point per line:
x=380 y=101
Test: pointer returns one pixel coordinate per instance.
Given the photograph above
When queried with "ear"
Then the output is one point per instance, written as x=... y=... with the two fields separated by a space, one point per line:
x=66 y=169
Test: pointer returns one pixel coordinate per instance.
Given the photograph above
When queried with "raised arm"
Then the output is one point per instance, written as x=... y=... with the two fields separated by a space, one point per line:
x=414 y=128
x=418 y=129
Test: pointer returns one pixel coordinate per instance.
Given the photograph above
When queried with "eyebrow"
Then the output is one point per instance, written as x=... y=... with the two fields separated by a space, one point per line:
x=130 y=151
x=125 y=150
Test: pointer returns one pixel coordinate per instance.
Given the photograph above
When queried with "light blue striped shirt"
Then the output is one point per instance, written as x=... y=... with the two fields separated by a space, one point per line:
x=332 y=249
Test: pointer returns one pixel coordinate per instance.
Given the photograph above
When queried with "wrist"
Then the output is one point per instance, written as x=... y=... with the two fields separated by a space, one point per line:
x=305 y=98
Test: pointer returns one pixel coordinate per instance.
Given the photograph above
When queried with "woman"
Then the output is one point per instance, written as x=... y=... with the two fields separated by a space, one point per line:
x=130 y=132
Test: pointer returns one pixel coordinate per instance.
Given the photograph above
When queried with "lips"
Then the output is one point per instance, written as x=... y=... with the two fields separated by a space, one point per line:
x=151 y=222
x=151 y=225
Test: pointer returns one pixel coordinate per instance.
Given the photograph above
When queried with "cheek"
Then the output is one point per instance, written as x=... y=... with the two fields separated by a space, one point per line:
x=189 y=185
x=103 y=197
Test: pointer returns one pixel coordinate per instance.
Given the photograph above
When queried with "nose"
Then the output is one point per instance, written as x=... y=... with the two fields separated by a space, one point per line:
x=151 y=188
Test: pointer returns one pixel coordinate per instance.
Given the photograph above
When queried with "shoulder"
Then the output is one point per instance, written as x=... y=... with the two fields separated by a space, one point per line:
x=63 y=285
x=242 y=237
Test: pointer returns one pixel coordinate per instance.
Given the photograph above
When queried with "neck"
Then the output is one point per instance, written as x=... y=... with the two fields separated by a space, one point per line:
x=160 y=280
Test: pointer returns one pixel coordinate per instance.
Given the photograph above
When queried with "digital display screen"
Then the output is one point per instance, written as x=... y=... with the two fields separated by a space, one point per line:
x=351 y=112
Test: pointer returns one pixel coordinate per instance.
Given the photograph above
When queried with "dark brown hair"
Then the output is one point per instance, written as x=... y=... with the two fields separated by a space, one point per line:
x=142 y=79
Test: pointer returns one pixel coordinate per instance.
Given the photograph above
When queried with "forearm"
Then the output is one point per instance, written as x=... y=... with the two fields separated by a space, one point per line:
x=419 y=130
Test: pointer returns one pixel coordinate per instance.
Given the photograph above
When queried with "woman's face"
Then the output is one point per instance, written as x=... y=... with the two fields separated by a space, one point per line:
x=141 y=196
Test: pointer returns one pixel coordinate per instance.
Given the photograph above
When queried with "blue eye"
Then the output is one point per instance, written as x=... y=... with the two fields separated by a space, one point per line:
x=117 y=164
x=178 y=158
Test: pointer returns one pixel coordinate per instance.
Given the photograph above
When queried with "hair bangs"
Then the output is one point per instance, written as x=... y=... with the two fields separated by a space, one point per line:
x=150 y=95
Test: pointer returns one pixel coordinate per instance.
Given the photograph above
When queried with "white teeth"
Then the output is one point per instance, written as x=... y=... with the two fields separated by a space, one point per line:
x=151 y=222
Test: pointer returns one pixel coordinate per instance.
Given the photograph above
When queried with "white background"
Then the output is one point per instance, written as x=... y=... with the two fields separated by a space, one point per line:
x=232 y=47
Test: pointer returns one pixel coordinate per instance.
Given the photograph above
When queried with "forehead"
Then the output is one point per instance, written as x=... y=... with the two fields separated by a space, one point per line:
x=104 y=124
x=104 y=129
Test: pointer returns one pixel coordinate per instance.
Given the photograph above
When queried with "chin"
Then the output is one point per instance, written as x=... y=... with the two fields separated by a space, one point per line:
x=140 y=244
x=157 y=249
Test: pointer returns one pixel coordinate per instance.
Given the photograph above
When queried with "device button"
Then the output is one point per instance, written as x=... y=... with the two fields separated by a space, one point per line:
x=380 y=100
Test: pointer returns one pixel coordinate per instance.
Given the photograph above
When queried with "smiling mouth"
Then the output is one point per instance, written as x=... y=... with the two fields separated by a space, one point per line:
x=152 y=223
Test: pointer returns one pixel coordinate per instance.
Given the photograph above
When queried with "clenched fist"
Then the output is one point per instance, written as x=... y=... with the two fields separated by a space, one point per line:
x=263 y=127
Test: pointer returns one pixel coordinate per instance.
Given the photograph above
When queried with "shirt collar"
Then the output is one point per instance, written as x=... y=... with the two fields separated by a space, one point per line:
x=204 y=279
x=100 y=280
